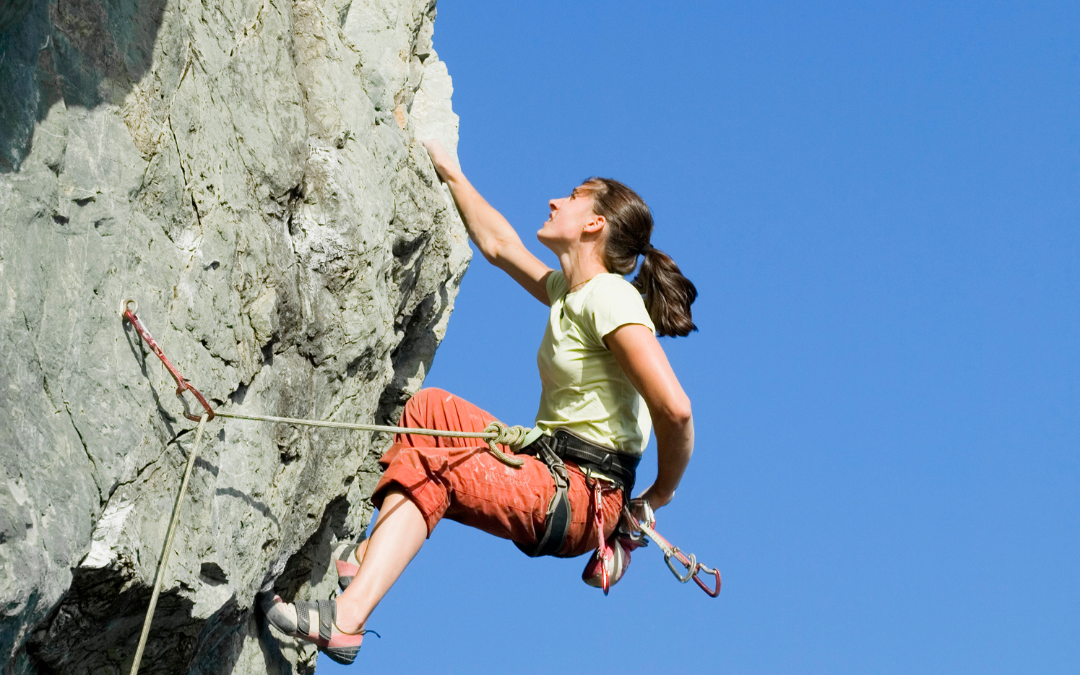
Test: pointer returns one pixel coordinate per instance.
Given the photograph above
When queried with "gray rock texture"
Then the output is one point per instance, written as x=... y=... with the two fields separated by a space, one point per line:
x=248 y=172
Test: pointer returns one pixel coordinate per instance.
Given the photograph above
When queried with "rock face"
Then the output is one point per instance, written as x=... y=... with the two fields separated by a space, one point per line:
x=248 y=172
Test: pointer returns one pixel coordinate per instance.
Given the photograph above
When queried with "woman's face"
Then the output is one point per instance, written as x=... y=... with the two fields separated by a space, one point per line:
x=567 y=220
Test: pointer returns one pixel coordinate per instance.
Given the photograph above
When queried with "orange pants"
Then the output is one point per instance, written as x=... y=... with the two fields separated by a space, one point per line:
x=459 y=478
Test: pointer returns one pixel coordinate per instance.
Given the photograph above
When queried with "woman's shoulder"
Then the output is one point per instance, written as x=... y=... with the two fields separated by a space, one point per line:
x=609 y=285
x=556 y=286
x=612 y=301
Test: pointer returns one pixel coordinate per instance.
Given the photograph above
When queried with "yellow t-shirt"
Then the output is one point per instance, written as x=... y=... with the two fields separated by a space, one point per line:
x=583 y=387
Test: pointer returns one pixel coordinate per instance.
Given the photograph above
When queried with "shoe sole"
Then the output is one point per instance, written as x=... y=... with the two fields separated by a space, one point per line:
x=343 y=655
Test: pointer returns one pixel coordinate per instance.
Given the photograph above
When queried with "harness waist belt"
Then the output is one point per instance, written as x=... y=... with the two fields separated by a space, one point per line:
x=622 y=468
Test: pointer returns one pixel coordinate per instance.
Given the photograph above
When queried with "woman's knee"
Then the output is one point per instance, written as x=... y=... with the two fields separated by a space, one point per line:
x=418 y=408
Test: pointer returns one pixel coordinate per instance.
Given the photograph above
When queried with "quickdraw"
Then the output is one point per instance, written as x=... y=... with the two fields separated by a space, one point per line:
x=128 y=312
x=672 y=555
x=604 y=553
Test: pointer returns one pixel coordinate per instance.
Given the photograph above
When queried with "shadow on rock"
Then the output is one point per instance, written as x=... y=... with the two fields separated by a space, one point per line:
x=96 y=628
x=82 y=52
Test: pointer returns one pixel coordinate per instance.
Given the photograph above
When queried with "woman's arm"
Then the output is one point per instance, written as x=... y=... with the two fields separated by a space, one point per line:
x=491 y=233
x=642 y=358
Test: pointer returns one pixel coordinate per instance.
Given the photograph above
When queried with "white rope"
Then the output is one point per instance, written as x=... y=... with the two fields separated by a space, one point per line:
x=495 y=434
x=486 y=435
x=164 y=560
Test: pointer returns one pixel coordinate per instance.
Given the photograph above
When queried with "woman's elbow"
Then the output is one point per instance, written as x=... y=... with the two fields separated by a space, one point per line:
x=678 y=412
x=492 y=249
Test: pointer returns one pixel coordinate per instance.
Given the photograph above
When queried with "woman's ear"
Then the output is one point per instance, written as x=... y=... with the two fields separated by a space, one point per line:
x=596 y=225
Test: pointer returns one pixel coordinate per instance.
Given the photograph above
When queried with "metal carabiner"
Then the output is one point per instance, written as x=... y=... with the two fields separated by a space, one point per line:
x=690 y=565
x=713 y=592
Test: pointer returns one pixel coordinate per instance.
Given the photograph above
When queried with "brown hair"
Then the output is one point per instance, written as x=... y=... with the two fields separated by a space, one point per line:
x=668 y=294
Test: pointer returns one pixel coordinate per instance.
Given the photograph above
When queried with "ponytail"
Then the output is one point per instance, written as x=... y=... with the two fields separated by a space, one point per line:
x=667 y=293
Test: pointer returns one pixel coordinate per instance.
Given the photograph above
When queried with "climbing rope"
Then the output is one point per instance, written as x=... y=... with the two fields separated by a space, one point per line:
x=159 y=577
x=495 y=433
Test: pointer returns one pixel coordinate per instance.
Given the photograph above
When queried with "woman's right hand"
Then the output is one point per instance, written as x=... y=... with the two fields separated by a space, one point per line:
x=444 y=163
x=655 y=498
x=492 y=234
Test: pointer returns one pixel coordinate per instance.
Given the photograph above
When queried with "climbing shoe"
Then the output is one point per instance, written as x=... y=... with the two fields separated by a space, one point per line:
x=313 y=621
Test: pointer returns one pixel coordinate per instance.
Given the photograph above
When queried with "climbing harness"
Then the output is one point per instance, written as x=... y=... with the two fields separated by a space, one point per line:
x=594 y=461
x=617 y=468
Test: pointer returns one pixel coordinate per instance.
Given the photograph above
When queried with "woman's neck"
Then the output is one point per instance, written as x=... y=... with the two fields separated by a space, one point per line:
x=579 y=265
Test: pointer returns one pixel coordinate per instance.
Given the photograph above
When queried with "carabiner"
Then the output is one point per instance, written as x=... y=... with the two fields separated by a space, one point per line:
x=690 y=565
x=711 y=592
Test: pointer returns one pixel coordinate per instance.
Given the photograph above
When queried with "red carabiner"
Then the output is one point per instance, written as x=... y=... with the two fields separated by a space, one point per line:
x=693 y=570
x=603 y=554
x=182 y=385
x=713 y=592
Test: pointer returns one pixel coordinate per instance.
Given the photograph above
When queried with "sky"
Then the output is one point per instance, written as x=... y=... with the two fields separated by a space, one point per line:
x=879 y=204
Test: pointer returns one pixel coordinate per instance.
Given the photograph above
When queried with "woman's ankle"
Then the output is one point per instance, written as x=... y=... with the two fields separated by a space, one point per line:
x=348 y=620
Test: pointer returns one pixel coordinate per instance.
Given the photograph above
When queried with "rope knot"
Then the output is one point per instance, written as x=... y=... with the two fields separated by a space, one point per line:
x=509 y=436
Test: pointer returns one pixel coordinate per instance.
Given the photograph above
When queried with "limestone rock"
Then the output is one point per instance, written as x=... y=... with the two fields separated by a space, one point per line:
x=249 y=173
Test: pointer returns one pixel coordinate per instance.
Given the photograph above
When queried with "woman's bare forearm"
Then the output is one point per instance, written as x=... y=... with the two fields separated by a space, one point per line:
x=674 y=446
x=492 y=234
x=489 y=230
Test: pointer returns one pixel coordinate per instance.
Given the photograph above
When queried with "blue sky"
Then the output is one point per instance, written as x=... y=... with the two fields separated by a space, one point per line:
x=880 y=206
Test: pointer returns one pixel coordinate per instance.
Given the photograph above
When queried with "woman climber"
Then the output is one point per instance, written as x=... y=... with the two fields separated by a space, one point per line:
x=605 y=382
